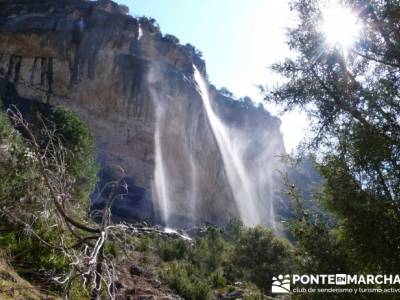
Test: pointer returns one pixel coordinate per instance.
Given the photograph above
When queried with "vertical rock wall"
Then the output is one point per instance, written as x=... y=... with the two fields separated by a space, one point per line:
x=90 y=56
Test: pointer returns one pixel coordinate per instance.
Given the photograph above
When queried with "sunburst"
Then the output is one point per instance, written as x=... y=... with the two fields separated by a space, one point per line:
x=340 y=26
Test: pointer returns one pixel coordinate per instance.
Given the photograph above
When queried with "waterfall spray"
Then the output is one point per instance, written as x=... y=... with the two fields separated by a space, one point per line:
x=175 y=186
x=183 y=190
x=244 y=194
x=160 y=184
x=140 y=32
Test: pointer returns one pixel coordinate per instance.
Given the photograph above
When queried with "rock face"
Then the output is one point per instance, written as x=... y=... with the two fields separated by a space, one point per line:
x=136 y=91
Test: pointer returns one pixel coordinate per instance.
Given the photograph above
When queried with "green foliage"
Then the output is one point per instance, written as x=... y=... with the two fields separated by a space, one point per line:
x=225 y=92
x=30 y=253
x=182 y=278
x=20 y=185
x=210 y=251
x=192 y=50
x=22 y=192
x=217 y=279
x=150 y=24
x=172 y=249
x=6 y=131
x=21 y=179
x=30 y=232
x=317 y=243
x=218 y=258
x=352 y=98
x=144 y=243
x=262 y=255
x=234 y=229
x=80 y=156
x=171 y=38
x=360 y=216
x=111 y=248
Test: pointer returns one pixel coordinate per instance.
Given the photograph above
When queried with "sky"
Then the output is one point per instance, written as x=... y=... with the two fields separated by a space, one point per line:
x=239 y=40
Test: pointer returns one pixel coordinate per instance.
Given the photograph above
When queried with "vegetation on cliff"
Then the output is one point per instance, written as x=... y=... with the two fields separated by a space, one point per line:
x=40 y=175
x=219 y=261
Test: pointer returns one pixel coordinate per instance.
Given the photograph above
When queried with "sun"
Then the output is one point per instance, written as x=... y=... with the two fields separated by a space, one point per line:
x=340 y=26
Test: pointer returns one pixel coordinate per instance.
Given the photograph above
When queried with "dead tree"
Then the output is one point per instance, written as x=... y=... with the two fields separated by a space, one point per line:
x=86 y=256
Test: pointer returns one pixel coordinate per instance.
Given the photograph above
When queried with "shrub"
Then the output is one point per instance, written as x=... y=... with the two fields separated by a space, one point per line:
x=171 y=249
x=218 y=258
x=171 y=38
x=189 y=286
x=234 y=230
x=261 y=255
x=80 y=154
x=123 y=9
x=210 y=251
x=20 y=185
x=32 y=233
x=192 y=50
x=32 y=254
x=217 y=279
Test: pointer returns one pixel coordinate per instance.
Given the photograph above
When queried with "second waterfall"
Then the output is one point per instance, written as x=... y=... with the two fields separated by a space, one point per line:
x=245 y=190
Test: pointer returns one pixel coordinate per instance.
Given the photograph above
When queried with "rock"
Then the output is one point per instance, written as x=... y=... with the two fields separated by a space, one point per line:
x=5 y=152
x=236 y=294
x=86 y=55
x=155 y=282
x=118 y=285
x=135 y=270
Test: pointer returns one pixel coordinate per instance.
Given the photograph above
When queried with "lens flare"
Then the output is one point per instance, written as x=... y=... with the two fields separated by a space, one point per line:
x=340 y=26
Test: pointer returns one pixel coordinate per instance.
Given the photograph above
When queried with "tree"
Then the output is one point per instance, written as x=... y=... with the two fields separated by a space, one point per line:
x=261 y=256
x=352 y=97
x=19 y=184
x=171 y=38
x=80 y=151
x=44 y=227
x=225 y=92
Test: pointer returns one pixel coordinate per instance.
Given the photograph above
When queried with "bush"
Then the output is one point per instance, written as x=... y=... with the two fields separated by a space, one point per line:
x=80 y=156
x=219 y=257
x=31 y=232
x=32 y=254
x=217 y=279
x=20 y=178
x=210 y=251
x=172 y=249
x=185 y=283
x=20 y=185
x=261 y=255
x=171 y=38
x=192 y=50
x=234 y=229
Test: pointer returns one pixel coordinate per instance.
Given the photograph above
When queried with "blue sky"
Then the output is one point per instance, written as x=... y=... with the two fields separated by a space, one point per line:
x=239 y=39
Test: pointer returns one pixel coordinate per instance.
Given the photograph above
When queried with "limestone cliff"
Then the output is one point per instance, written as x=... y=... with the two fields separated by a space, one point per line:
x=133 y=85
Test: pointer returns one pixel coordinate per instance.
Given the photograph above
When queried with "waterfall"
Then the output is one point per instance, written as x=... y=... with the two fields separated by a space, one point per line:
x=140 y=32
x=184 y=192
x=175 y=173
x=244 y=192
x=160 y=186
